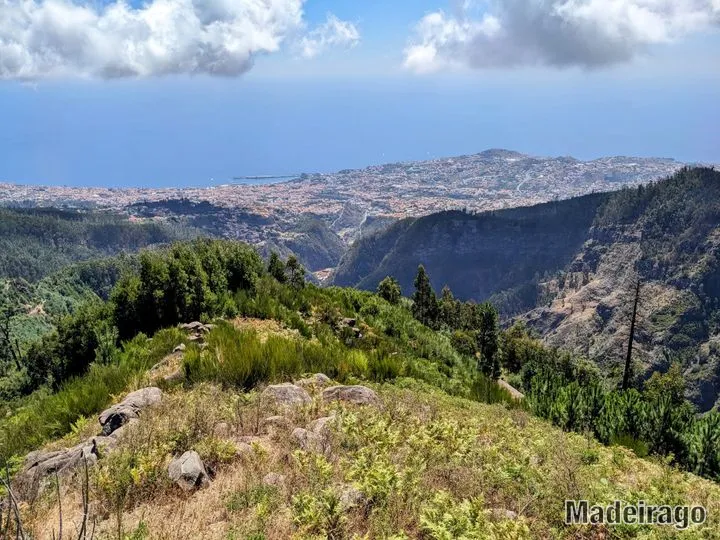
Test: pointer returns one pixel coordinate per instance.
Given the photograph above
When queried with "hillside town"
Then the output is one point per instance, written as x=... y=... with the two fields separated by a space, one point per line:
x=489 y=180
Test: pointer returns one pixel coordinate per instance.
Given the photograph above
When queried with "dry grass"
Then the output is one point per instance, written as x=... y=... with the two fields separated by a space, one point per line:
x=264 y=327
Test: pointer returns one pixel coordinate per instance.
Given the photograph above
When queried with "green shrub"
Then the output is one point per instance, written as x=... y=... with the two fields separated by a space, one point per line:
x=382 y=367
x=628 y=441
x=443 y=518
x=319 y=514
x=486 y=390
x=44 y=416
x=240 y=358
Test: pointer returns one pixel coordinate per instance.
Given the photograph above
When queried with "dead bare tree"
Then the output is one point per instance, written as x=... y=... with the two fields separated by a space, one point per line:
x=633 y=320
x=9 y=344
x=13 y=511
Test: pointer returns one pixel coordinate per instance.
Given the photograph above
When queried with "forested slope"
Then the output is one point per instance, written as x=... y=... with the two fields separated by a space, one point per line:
x=568 y=269
x=37 y=242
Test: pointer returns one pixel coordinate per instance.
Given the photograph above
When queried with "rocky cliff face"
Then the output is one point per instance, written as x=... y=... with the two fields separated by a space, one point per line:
x=589 y=308
x=477 y=255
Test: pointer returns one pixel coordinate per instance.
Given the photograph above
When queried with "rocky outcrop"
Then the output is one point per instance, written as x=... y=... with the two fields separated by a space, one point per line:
x=321 y=426
x=40 y=466
x=197 y=327
x=357 y=395
x=196 y=330
x=275 y=425
x=188 y=471
x=120 y=414
x=286 y=395
x=316 y=437
x=307 y=440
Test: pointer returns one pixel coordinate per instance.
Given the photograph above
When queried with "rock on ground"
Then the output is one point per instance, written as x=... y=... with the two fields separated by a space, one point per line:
x=129 y=408
x=307 y=440
x=316 y=438
x=188 y=471
x=357 y=395
x=275 y=425
x=286 y=395
x=274 y=480
x=39 y=466
x=503 y=513
x=351 y=497
x=321 y=426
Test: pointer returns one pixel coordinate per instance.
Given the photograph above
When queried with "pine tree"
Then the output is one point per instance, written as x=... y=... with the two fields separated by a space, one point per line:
x=9 y=344
x=487 y=340
x=425 y=307
x=389 y=289
x=449 y=309
x=296 y=271
x=703 y=442
x=276 y=268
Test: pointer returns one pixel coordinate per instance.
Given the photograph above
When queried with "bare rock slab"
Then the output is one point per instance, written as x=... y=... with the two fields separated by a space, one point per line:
x=357 y=395
x=120 y=414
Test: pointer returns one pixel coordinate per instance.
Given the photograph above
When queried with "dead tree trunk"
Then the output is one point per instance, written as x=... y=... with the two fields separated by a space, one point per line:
x=628 y=358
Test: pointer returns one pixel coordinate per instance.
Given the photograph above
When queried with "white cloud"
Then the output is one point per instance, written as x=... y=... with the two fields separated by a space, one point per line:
x=48 y=38
x=553 y=32
x=333 y=33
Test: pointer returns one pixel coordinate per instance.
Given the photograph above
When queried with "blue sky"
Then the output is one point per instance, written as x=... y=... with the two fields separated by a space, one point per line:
x=351 y=84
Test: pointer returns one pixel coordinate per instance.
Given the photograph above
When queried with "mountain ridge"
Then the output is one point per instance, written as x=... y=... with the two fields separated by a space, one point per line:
x=585 y=259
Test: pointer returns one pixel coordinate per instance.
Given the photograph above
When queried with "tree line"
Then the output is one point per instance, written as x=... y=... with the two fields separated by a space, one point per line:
x=184 y=282
x=474 y=327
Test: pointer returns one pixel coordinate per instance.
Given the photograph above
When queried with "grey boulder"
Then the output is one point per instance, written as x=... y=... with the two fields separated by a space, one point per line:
x=357 y=395
x=39 y=466
x=188 y=471
x=286 y=395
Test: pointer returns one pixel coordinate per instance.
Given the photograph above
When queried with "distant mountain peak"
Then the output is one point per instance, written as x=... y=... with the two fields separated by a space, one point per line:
x=495 y=153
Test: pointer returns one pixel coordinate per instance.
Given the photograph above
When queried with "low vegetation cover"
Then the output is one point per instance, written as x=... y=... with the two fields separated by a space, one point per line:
x=423 y=465
x=431 y=462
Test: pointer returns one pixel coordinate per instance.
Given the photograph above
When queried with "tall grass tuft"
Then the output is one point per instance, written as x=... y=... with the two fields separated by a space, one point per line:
x=242 y=358
x=486 y=390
